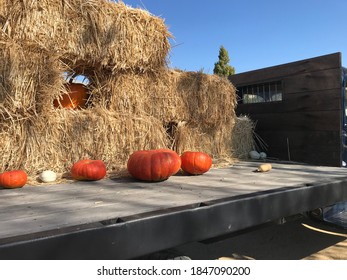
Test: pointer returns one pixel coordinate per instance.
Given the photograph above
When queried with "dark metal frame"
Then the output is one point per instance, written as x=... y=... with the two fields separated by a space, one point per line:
x=134 y=236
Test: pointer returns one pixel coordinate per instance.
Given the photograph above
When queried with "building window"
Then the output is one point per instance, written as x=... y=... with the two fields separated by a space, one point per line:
x=257 y=93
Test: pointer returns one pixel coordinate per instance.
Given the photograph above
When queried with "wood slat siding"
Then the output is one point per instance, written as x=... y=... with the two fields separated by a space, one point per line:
x=299 y=121
x=285 y=70
x=321 y=145
x=309 y=115
x=313 y=81
x=325 y=100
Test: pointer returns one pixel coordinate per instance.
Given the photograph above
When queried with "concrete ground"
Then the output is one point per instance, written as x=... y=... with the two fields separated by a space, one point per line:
x=296 y=239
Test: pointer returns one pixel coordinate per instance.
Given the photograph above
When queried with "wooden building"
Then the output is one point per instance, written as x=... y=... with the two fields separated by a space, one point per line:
x=299 y=109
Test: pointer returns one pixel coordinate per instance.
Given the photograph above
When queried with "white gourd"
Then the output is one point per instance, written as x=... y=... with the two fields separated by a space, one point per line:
x=262 y=155
x=254 y=155
x=48 y=176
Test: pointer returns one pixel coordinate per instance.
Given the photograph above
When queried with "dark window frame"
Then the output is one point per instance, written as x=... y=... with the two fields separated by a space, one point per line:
x=261 y=92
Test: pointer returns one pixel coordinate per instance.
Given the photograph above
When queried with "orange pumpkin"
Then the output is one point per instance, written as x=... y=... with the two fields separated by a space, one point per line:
x=75 y=98
x=13 y=179
x=196 y=163
x=88 y=170
x=153 y=165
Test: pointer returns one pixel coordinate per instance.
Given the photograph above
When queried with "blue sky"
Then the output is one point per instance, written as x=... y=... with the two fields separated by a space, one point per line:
x=256 y=33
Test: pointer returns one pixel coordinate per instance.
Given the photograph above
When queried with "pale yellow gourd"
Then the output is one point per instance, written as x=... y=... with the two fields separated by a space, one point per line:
x=264 y=167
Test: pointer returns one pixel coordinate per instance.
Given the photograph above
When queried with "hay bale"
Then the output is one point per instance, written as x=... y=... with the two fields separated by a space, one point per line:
x=30 y=78
x=209 y=100
x=168 y=95
x=214 y=140
x=151 y=93
x=242 y=137
x=58 y=140
x=89 y=33
x=13 y=136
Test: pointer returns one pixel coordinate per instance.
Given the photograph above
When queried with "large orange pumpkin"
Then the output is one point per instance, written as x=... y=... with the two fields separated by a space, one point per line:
x=153 y=165
x=75 y=98
x=88 y=170
x=13 y=179
x=196 y=163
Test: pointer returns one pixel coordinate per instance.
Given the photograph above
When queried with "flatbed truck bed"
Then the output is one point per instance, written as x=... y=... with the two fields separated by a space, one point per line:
x=126 y=218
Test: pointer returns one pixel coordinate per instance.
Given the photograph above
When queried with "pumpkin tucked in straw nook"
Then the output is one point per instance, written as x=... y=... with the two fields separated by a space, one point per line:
x=75 y=98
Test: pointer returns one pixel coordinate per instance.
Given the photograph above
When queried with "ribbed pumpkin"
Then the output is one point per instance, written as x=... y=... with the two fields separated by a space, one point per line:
x=153 y=165
x=196 y=163
x=75 y=98
x=13 y=179
x=88 y=170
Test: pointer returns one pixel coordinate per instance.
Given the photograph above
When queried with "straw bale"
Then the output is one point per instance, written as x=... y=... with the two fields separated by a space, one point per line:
x=214 y=140
x=30 y=78
x=151 y=93
x=59 y=139
x=13 y=136
x=242 y=140
x=209 y=100
x=169 y=95
x=93 y=33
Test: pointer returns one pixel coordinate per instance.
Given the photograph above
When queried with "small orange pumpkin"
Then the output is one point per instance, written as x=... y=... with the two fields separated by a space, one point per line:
x=196 y=163
x=153 y=165
x=75 y=98
x=13 y=179
x=88 y=170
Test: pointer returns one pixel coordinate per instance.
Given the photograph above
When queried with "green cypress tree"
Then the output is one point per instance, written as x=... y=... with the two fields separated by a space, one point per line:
x=222 y=68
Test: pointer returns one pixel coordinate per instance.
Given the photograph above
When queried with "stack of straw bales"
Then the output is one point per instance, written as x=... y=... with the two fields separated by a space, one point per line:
x=136 y=101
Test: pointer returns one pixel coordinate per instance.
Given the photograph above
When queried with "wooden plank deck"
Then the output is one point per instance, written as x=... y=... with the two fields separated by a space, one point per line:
x=35 y=209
